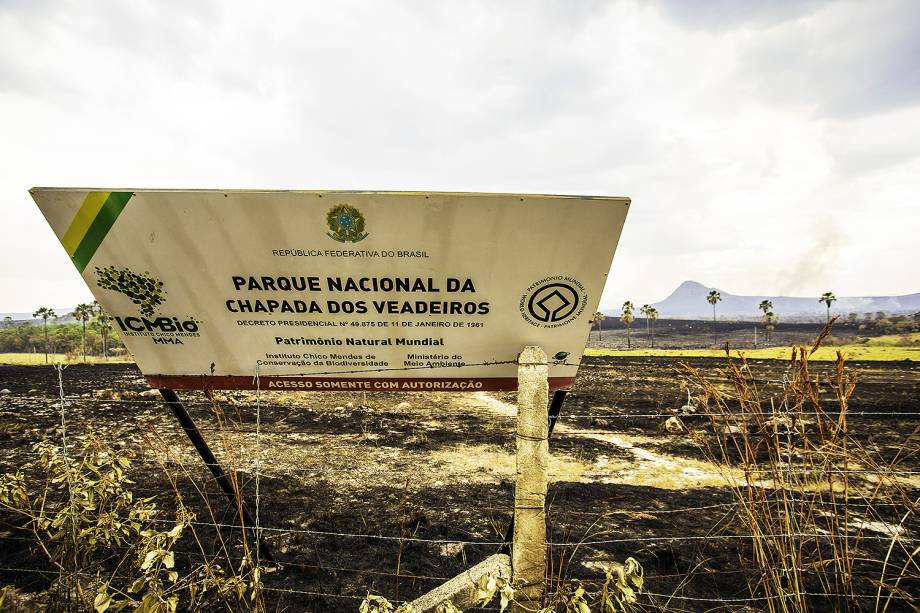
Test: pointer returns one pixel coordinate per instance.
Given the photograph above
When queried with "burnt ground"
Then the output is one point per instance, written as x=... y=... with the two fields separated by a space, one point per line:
x=696 y=333
x=339 y=471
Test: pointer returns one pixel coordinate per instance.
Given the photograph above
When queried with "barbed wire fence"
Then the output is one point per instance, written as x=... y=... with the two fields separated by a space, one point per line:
x=297 y=518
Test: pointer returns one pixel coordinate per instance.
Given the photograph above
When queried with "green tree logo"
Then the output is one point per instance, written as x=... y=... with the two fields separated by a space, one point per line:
x=144 y=290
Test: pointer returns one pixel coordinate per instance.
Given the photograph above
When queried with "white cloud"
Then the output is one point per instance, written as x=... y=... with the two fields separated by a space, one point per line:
x=766 y=150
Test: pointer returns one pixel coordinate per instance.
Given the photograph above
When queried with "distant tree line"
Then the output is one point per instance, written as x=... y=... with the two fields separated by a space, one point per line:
x=875 y=323
x=882 y=323
x=91 y=334
x=20 y=337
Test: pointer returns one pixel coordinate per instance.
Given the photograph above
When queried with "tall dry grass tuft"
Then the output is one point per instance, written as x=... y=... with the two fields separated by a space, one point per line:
x=827 y=513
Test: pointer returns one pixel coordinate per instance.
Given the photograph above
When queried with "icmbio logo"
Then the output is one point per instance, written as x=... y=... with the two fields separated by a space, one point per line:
x=148 y=294
x=144 y=290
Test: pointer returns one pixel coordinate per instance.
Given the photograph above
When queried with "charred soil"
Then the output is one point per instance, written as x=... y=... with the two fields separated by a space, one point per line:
x=394 y=493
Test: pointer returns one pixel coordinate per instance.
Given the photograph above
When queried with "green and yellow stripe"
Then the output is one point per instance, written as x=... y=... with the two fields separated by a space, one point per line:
x=92 y=222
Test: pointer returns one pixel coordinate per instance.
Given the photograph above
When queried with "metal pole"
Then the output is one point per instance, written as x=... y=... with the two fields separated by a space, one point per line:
x=555 y=407
x=201 y=446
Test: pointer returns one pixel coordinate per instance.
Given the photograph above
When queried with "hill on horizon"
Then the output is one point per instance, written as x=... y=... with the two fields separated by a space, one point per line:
x=688 y=301
x=63 y=316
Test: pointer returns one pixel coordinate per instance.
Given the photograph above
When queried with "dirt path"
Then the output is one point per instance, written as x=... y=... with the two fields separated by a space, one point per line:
x=650 y=468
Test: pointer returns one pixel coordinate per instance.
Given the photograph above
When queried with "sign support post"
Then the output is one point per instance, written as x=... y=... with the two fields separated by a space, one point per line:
x=201 y=446
x=555 y=407
x=528 y=551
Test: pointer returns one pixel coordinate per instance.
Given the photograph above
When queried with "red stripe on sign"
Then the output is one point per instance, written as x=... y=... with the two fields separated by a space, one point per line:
x=319 y=384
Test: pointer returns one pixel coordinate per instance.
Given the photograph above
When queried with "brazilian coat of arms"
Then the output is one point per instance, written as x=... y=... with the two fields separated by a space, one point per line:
x=346 y=224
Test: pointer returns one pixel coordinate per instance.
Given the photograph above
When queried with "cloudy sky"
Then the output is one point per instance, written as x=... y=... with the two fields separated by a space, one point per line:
x=768 y=147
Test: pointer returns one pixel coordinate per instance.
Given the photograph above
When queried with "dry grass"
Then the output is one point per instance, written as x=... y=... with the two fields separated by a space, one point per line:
x=815 y=501
x=38 y=359
x=868 y=352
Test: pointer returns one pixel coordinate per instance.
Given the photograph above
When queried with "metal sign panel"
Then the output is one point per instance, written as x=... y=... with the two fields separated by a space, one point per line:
x=332 y=290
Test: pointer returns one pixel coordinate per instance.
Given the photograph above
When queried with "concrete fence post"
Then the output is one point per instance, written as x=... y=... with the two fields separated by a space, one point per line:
x=528 y=549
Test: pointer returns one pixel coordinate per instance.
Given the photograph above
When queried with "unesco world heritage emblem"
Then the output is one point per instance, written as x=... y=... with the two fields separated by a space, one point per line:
x=553 y=302
x=346 y=224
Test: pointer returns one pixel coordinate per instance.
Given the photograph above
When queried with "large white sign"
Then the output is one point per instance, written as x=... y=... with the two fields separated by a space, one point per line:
x=319 y=290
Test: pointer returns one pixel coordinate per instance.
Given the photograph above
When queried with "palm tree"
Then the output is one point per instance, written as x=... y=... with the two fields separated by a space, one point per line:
x=45 y=313
x=101 y=322
x=598 y=319
x=712 y=299
x=765 y=306
x=83 y=313
x=645 y=310
x=652 y=316
x=769 y=323
x=828 y=298
x=628 y=318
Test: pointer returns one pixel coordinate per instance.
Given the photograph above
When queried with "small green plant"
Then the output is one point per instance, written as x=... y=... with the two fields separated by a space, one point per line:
x=87 y=522
x=83 y=506
x=617 y=594
x=378 y=604
x=622 y=583
x=570 y=598
x=488 y=586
